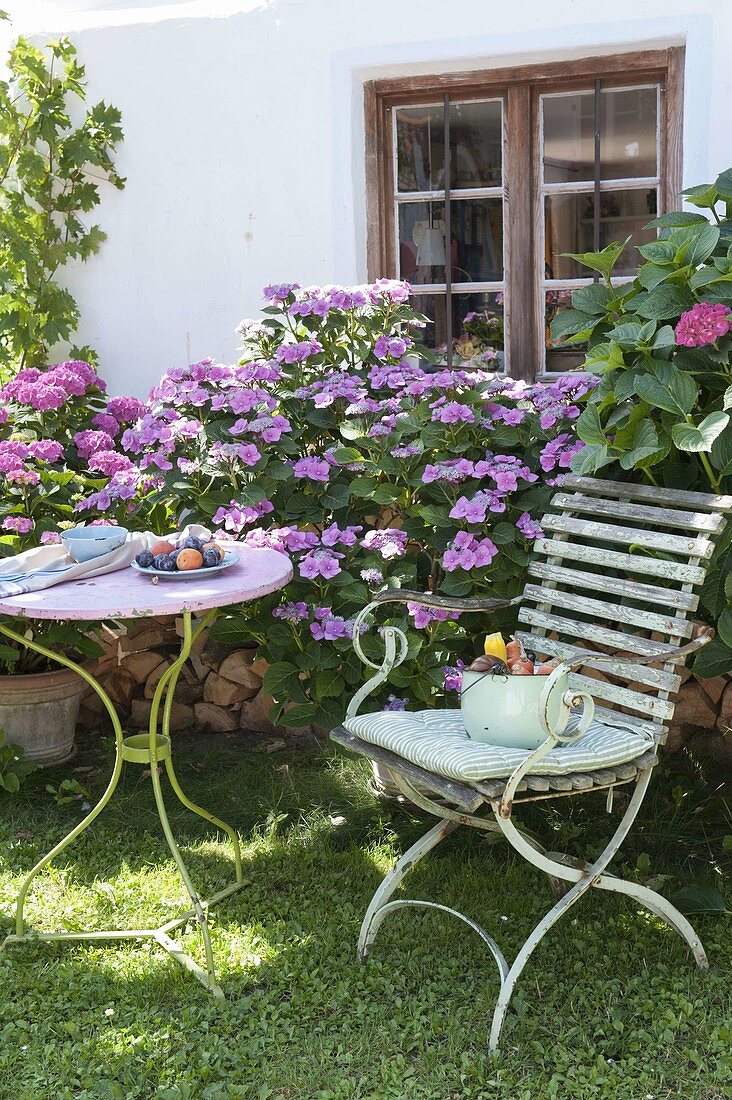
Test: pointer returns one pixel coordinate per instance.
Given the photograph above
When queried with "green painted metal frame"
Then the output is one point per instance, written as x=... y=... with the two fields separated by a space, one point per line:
x=149 y=748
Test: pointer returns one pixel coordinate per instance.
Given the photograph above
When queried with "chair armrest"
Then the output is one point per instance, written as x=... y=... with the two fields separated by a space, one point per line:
x=673 y=654
x=448 y=603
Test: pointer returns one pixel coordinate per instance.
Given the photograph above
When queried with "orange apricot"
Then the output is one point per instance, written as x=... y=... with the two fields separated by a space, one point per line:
x=189 y=559
x=162 y=547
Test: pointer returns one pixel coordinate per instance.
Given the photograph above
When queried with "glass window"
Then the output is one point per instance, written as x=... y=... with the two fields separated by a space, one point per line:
x=627 y=187
x=470 y=255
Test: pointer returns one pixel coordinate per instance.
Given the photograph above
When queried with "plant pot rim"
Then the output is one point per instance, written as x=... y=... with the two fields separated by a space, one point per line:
x=49 y=678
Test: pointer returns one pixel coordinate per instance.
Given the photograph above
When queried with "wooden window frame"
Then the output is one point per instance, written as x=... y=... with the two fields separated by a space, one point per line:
x=520 y=88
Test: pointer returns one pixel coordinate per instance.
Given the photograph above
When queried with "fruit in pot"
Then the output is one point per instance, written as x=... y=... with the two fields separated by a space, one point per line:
x=162 y=546
x=188 y=558
x=488 y=663
x=521 y=668
x=495 y=646
x=514 y=651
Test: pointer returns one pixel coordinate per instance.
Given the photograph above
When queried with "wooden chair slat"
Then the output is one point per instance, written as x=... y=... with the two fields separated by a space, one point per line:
x=711 y=522
x=659 y=678
x=601 y=635
x=629 y=536
x=619 y=613
x=624 y=697
x=628 y=563
x=618 y=586
x=581 y=781
x=654 y=494
x=537 y=782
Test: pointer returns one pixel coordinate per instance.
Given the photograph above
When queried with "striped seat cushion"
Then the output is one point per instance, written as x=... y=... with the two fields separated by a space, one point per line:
x=437 y=741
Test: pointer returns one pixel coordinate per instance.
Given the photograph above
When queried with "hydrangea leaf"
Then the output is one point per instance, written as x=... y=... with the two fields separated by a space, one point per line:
x=699 y=437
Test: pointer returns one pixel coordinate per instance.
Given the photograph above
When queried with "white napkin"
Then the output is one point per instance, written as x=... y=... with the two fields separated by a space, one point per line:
x=44 y=566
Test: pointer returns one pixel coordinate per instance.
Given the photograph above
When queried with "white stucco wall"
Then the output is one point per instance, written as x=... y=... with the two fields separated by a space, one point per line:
x=244 y=138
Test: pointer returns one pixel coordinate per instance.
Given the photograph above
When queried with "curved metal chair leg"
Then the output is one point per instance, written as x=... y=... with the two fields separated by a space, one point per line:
x=660 y=907
x=373 y=917
x=583 y=881
x=403 y=903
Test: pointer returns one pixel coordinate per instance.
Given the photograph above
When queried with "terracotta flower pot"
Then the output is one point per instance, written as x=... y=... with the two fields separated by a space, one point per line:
x=39 y=712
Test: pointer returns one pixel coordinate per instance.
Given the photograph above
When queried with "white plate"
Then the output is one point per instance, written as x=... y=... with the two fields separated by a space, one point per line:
x=188 y=574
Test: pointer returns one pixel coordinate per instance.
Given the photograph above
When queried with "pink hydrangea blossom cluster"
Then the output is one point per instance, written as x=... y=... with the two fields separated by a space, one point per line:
x=20 y=525
x=389 y=542
x=467 y=552
x=476 y=508
x=703 y=324
x=424 y=616
x=453 y=676
x=559 y=452
x=529 y=527
x=50 y=389
x=236 y=517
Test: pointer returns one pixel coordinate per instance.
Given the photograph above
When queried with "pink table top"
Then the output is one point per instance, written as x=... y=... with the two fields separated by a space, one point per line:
x=127 y=594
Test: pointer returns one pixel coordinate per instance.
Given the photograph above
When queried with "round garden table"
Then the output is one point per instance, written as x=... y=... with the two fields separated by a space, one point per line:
x=127 y=594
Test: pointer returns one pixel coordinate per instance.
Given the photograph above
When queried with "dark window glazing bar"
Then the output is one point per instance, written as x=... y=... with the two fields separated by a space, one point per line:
x=596 y=203
x=448 y=232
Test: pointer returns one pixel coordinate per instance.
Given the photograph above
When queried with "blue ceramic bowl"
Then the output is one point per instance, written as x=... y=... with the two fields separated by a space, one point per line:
x=85 y=543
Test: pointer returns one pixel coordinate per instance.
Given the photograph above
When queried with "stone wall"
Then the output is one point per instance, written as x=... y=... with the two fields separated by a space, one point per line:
x=220 y=689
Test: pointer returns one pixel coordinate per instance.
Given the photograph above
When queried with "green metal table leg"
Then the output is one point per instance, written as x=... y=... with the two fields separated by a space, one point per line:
x=143 y=748
x=86 y=822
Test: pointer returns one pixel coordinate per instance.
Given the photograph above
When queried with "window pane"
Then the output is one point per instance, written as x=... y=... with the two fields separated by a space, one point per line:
x=422 y=242
x=476 y=141
x=433 y=307
x=420 y=136
x=628 y=133
x=560 y=358
x=628 y=121
x=477 y=327
x=477 y=241
x=568 y=227
x=477 y=234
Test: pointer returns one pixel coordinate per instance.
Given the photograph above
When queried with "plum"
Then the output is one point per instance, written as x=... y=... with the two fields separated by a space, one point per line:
x=145 y=559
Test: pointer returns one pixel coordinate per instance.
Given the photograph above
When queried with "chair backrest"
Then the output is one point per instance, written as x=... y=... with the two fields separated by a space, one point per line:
x=616 y=571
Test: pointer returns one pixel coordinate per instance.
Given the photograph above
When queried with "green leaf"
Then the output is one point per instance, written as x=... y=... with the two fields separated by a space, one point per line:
x=603 y=261
x=703 y=195
x=279 y=677
x=645 y=444
x=697 y=897
x=593 y=299
x=663 y=302
x=727 y=401
x=724 y=624
x=659 y=251
x=721 y=453
x=676 y=218
x=695 y=438
x=329 y=684
x=301 y=714
x=723 y=184
x=570 y=322
x=667 y=388
x=715 y=659
x=590 y=459
x=589 y=428
x=650 y=275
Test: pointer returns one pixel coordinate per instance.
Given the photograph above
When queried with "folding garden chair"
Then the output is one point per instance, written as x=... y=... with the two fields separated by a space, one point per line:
x=610 y=591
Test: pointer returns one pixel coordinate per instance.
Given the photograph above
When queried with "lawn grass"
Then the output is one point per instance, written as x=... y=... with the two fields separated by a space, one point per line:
x=610 y=1006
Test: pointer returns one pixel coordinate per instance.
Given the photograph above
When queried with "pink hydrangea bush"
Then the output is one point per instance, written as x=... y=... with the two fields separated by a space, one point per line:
x=336 y=441
x=48 y=435
x=661 y=346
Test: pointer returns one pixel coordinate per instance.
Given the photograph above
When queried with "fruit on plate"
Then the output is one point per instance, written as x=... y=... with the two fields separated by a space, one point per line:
x=495 y=646
x=188 y=558
x=181 y=553
x=162 y=546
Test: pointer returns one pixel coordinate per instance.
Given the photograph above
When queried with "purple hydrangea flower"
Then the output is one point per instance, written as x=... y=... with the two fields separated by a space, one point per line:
x=389 y=542
x=320 y=563
x=529 y=527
